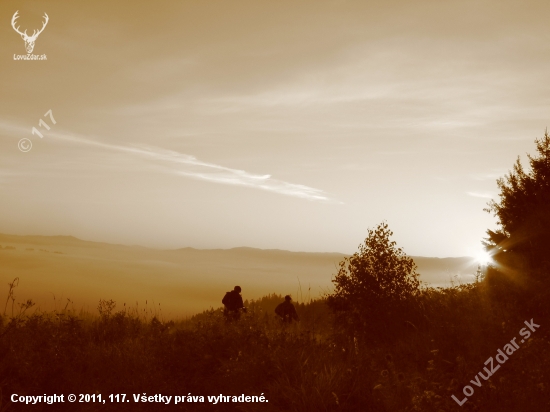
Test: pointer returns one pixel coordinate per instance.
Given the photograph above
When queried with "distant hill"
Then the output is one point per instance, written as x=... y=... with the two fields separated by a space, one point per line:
x=184 y=281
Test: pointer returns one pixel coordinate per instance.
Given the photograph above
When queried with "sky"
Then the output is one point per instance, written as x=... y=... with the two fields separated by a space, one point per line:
x=274 y=124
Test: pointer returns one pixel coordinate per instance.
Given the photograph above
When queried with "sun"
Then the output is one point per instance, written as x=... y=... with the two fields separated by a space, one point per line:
x=483 y=258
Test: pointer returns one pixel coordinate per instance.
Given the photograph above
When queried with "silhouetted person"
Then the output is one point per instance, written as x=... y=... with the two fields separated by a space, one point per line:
x=287 y=311
x=233 y=303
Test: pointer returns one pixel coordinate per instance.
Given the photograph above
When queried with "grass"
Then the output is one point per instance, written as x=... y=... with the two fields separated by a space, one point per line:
x=310 y=366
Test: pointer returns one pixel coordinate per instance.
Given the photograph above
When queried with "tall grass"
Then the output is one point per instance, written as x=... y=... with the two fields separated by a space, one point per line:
x=306 y=366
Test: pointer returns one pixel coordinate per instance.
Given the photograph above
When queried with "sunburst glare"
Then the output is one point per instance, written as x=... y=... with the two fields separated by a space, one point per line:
x=483 y=258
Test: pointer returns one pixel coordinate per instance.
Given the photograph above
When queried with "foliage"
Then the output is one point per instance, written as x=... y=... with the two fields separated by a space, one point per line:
x=522 y=241
x=296 y=369
x=376 y=285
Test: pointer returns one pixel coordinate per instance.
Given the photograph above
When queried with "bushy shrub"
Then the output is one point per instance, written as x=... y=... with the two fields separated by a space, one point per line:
x=375 y=287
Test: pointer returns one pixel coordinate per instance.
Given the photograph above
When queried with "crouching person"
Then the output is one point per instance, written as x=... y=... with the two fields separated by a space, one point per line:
x=286 y=311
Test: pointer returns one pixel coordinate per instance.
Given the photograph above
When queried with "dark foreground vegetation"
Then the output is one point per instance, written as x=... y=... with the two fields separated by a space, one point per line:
x=306 y=367
x=379 y=342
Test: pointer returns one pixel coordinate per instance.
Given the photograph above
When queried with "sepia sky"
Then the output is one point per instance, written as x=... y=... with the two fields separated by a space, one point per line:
x=272 y=124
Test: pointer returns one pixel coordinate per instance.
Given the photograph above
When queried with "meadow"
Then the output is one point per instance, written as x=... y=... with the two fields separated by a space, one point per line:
x=312 y=365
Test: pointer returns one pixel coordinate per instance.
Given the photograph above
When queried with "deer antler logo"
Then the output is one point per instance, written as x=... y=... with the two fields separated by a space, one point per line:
x=29 y=40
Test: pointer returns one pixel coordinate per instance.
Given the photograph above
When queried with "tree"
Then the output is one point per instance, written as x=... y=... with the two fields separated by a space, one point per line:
x=375 y=285
x=522 y=240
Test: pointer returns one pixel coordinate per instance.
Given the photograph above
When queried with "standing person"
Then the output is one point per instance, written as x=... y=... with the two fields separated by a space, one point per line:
x=233 y=303
x=287 y=311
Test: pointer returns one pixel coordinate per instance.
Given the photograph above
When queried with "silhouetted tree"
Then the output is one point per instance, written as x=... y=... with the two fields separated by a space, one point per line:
x=375 y=286
x=522 y=241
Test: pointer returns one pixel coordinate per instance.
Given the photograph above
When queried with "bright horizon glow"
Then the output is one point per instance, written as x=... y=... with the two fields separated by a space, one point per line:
x=483 y=258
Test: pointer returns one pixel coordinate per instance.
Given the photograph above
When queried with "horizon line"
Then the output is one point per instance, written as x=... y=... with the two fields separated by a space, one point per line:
x=213 y=249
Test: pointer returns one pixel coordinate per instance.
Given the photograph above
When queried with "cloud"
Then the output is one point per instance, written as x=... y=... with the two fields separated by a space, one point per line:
x=482 y=195
x=192 y=167
x=490 y=175
x=181 y=164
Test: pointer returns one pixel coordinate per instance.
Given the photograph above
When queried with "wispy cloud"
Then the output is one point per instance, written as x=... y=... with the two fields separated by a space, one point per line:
x=190 y=166
x=484 y=195
x=173 y=162
x=493 y=175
